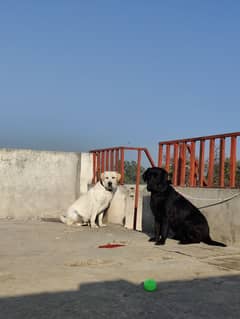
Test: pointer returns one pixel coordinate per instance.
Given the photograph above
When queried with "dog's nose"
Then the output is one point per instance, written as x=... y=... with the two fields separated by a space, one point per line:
x=109 y=183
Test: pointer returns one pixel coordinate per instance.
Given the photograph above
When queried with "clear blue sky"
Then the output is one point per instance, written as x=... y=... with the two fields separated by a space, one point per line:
x=77 y=75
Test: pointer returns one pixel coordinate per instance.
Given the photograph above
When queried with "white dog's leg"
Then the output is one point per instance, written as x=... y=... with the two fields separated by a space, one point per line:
x=100 y=220
x=71 y=218
x=93 y=221
x=66 y=220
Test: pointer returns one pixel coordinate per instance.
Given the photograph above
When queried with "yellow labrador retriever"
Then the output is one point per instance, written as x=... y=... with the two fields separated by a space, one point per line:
x=93 y=204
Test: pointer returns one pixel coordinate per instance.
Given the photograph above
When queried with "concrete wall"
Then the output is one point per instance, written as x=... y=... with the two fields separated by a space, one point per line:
x=40 y=183
x=223 y=218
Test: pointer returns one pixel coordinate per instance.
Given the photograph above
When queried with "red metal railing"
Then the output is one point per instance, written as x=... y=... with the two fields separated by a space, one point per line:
x=206 y=161
x=112 y=159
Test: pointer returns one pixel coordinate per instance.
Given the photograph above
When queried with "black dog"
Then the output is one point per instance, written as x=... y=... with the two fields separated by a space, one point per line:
x=174 y=213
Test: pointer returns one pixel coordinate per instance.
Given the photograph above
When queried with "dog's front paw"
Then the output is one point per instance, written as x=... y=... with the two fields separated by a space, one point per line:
x=94 y=226
x=78 y=224
x=103 y=225
x=160 y=242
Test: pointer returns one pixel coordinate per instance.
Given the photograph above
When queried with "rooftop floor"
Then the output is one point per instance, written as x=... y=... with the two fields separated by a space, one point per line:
x=49 y=270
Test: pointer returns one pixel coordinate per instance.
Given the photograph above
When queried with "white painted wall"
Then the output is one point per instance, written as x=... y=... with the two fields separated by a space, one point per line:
x=40 y=183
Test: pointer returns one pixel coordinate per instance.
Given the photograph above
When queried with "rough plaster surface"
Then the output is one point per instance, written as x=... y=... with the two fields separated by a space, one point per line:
x=36 y=183
x=48 y=270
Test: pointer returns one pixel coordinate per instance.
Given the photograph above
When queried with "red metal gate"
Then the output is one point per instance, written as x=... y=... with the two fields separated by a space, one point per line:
x=206 y=161
x=113 y=159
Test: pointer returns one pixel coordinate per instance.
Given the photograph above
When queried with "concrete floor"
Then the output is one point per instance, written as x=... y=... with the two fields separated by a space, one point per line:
x=49 y=270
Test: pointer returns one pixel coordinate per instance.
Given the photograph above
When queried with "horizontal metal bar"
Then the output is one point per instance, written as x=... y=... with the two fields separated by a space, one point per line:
x=123 y=148
x=200 y=138
x=119 y=148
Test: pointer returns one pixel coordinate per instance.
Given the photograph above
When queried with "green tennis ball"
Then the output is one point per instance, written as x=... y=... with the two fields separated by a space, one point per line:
x=150 y=285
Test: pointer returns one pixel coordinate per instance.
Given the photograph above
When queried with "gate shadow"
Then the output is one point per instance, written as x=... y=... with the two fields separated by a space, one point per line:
x=215 y=297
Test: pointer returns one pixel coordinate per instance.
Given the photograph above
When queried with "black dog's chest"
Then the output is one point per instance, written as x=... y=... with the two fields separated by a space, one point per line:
x=160 y=204
x=157 y=204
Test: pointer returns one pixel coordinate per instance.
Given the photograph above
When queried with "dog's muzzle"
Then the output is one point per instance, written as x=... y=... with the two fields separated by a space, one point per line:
x=149 y=188
x=110 y=187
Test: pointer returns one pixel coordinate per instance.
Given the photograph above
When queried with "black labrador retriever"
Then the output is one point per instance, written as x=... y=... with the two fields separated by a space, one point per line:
x=174 y=213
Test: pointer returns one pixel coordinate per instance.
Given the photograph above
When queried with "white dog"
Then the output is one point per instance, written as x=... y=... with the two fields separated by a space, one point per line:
x=93 y=204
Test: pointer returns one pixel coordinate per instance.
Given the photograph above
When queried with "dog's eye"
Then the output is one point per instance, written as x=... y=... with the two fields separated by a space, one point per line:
x=113 y=177
x=107 y=177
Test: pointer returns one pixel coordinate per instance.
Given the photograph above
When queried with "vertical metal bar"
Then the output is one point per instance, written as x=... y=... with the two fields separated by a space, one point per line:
x=175 y=164
x=102 y=161
x=182 y=163
x=211 y=162
x=98 y=166
x=167 y=157
x=160 y=155
x=117 y=160
x=192 y=179
x=137 y=189
x=111 y=159
x=94 y=168
x=201 y=162
x=233 y=158
x=149 y=157
x=222 y=162
x=122 y=166
x=107 y=160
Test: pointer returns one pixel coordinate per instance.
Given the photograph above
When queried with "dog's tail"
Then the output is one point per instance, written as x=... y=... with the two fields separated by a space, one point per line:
x=52 y=219
x=211 y=242
x=63 y=219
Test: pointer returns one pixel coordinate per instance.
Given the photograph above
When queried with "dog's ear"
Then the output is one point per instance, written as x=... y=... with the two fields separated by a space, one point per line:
x=118 y=177
x=102 y=176
x=145 y=175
